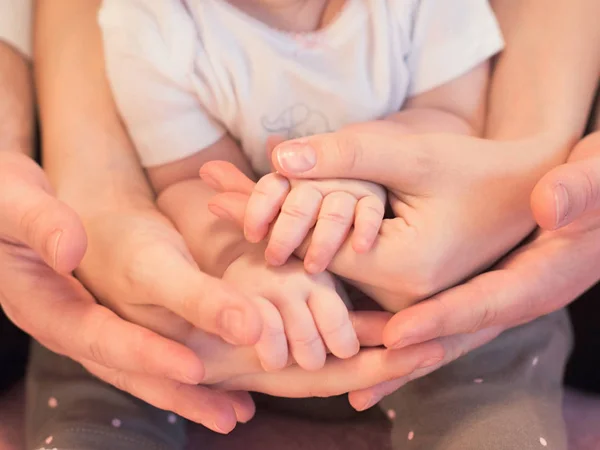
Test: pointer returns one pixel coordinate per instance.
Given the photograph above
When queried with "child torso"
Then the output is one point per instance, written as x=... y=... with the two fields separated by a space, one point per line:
x=259 y=81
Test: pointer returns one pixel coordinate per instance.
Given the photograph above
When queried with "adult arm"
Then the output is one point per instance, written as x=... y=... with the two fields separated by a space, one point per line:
x=93 y=167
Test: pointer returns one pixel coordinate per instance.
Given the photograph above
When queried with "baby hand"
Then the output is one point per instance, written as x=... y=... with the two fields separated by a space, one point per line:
x=332 y=207
x=299 y=310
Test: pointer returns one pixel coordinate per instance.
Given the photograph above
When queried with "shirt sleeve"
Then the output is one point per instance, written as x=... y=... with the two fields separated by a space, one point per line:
x=448 y=39
x=16 y=23
x=150 y=51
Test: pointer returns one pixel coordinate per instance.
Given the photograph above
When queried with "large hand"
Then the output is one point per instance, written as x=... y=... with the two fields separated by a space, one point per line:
x=544 y=275
x=449 y=193
x=41 y=242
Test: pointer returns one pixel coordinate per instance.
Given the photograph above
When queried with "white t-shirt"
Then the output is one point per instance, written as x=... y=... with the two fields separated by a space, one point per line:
x=15 y=24
x=186 y=72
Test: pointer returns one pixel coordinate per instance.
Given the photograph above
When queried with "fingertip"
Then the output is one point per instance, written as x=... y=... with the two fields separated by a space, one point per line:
x=194 y=373
x=348 y=350
x=243 y=406
x=66 y=246
x=313 y=267
x=312 y=362
x=274 y=257
x=207 y=177
x=544 y=204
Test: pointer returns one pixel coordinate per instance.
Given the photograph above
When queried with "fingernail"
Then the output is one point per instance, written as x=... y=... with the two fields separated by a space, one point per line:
x=52 y=245
x=220 y=212
x=296 y=157
x=222 y=428
x=562 y=204
x=429 y=363
x=208 y=179
x=232 y=326
x=370 y=403
x=404 y=342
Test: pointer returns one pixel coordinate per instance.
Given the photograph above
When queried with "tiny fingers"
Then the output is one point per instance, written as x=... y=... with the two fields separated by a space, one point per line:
x=369 y=216
x=333 y=225
x=298 y=215
x=334 y=323
x=264 y=205
x=304 y=339
x=272 y=347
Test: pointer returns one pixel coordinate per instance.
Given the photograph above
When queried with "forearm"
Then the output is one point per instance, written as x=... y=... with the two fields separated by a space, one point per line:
x=429 y=120
x=543 y=82
x=16 y=101
x=87 y=153
x=213 y=242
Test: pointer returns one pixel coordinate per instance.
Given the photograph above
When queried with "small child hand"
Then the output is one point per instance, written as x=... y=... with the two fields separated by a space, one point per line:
x=302 y=311
x=332 y=207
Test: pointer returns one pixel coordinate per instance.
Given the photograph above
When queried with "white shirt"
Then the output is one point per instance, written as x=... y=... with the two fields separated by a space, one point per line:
x=186 y=72
x=16 y=24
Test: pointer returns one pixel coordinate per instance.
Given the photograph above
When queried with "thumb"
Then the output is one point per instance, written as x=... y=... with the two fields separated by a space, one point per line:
x=383 y=153
x=30 y=215
x=375 y=151
x=569 y=191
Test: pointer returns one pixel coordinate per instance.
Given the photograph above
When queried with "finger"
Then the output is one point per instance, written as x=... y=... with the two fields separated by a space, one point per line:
x=272 y=348
x=333 y=225
x=223 y=176
x=454 y=347
x=566 y=193
x=206 y=302
x=32 y=216
x=368 y=368
x=243 y=405
x=62 y=315
x=369 y=326
x=369 y=216
x=333 y=322
x=304 y=340
x=298 y=215
x=198 y=404
x=264 y=205
x=376 y=151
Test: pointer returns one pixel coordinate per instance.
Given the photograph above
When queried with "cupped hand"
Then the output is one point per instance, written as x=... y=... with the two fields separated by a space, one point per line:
x=543 y=275
x=449 y=194
x=41 y=242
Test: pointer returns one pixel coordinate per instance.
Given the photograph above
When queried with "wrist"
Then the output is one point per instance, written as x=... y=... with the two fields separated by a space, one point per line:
x=213 y=242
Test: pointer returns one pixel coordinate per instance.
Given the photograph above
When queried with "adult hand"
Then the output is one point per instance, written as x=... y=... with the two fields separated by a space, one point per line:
x=41 y=242
x=542 y=276
x=570 y=191
x=449 y=194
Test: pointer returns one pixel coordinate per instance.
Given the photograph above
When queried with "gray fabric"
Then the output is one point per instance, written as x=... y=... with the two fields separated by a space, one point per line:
x=69 y=409
x=506 y=395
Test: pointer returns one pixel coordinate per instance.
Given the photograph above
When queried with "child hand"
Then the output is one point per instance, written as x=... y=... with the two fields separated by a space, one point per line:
x=302 y=311
x=332 y=207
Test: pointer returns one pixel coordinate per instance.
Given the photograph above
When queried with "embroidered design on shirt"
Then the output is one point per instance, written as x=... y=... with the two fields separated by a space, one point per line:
x=297 y=121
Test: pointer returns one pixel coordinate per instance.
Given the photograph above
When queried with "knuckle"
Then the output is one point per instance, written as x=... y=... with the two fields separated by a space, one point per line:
x=295 y=210
x=373 y=209
x=336 y=217
x=348 y=150
x=306 y=339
